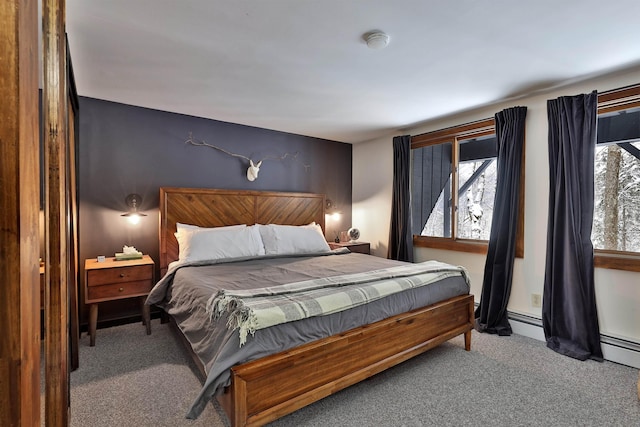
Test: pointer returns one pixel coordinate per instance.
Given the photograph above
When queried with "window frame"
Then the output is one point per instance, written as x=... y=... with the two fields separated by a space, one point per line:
x=453 y=135
x=611 y=101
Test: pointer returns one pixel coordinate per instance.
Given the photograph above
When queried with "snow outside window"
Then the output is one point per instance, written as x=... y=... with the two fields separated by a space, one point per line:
x=616 y=219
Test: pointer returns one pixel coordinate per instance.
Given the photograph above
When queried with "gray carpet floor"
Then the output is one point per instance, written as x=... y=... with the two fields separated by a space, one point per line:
x=131 y=379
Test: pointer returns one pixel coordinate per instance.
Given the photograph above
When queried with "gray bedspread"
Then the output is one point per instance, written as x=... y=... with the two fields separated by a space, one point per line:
x=184 y=292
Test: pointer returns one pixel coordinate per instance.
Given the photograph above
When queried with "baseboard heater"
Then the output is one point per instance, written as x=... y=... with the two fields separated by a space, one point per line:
x=614 y=349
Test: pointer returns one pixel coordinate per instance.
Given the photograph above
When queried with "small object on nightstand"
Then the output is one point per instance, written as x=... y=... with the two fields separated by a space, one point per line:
x=360 y=247
x=128 y=252
x=112 y=280
x=101 y=258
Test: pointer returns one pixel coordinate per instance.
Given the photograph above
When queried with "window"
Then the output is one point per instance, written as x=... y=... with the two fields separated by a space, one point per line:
x=476 y=187
x=453 y=187
x=616 y=218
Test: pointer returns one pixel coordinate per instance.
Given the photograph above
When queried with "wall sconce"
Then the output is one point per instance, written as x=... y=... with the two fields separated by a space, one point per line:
x=133 y=200
x=332 y=210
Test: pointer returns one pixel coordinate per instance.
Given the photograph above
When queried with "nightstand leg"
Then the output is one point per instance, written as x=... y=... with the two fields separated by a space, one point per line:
x=93 y=320
x=146 y=314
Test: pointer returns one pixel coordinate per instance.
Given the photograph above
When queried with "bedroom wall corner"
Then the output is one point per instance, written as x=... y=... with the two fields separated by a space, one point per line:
x=372 y=192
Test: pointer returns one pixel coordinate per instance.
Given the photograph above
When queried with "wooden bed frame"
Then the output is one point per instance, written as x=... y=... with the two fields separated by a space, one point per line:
x=266 y=389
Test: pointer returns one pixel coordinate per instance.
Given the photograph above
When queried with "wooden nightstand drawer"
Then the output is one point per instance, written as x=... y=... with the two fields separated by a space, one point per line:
x=119 y=290
x=119 y=275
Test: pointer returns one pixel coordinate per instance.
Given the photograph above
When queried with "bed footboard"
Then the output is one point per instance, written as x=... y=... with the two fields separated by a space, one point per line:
x=269 y=388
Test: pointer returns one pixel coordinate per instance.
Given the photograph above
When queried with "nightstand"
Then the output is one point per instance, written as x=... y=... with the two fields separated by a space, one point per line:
x=112 y=280
x=360 y=247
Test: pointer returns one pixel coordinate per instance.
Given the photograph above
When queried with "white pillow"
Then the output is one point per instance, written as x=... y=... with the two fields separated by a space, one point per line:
x=219 y=243
x=189 y=227
x=291 y=240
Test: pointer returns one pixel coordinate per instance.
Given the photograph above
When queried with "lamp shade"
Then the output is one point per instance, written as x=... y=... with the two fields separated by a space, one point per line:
x=133 y=200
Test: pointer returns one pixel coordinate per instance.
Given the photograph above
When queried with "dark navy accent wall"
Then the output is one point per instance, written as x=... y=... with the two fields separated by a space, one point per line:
x=126 y=149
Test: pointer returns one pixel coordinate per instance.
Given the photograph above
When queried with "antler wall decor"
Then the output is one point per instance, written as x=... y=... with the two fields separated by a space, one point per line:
x=254 y=168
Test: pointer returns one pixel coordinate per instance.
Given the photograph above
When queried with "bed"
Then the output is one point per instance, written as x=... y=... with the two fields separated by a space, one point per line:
x=285 y=367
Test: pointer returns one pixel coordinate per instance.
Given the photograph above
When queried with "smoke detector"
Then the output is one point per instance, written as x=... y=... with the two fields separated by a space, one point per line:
x=376 y=39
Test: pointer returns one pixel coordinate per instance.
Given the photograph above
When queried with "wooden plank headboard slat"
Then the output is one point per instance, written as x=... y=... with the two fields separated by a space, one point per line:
x=218 y=208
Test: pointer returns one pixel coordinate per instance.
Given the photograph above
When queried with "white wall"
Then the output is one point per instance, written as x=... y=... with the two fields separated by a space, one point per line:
x=371 y=194
x=617 y=292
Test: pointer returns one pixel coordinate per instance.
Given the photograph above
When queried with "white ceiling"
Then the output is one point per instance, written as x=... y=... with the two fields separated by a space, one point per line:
x=301 y=66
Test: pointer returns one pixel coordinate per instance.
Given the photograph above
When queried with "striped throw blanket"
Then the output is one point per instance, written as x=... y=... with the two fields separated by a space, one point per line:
x=253 y=309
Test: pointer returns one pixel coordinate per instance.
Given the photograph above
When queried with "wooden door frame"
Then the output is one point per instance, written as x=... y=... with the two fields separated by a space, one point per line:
x=57 y=236
x=73 y=106
x=19 y=216
x=20 y=400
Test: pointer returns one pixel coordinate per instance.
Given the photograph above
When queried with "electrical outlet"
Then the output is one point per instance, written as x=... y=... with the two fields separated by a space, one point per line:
x=536 y=300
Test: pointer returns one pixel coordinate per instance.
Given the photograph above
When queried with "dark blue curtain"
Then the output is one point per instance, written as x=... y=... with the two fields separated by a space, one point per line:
x=569 y=315
x=400 y=235
x=491 y=314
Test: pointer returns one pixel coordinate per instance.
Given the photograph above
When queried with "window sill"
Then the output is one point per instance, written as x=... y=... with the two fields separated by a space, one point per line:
x=479 y=247
x=472 y=246
x=616 y=261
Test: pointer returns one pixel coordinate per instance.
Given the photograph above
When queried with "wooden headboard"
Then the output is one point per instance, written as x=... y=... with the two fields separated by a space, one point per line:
x=217 y=208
